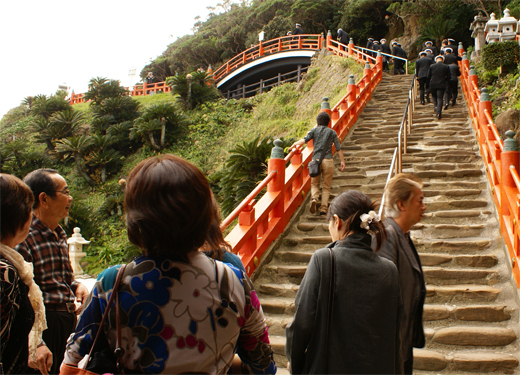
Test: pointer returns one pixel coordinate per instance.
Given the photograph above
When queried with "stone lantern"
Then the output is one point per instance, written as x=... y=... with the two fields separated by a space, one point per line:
x=492 y=30
x=507 y=27
x=477 y=26
x=76 y=242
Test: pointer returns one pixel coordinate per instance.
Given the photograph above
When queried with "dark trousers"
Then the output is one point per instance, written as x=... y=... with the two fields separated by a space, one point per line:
x=438 y=96
x=424 y=85
x=60 y=324
x=452 y=92
x=398 y=67
x=386 y=67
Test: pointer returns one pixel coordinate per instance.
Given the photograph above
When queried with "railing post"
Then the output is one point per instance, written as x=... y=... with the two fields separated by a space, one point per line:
x=279 y=79
x=325 y=107
x=351 y=89
x=351 y=47
x=260 y=49
x=509 y=158
x=483 y=105
x=277 y=164
x=329 y=39
x=261 y=86
x=299 y=73
x=379 y=63
x=461 y=49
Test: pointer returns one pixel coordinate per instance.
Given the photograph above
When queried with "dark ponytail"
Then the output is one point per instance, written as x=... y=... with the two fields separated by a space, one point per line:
x=349 y=206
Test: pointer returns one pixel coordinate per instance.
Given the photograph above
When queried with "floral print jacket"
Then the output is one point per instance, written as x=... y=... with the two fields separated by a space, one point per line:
x=178 y=317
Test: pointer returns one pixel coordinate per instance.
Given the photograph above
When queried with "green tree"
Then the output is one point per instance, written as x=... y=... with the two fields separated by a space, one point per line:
x=43 y=106
x=191 y=95
x=146 y=131
x=75 y=148
x=316 y=12
x=100 y=88
x=103 y=159
x=168 y=114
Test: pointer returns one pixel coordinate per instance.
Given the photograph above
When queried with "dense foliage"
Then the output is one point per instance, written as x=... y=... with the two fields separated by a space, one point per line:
x=503 y=54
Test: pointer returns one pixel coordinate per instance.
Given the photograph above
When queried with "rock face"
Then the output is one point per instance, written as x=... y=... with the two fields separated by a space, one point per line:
x=470 y=314
x=508 y=120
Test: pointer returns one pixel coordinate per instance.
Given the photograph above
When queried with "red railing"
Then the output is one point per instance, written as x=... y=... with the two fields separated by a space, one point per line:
x=285 y=43
x=260 y=223
x=501 y=161
x=137 y=90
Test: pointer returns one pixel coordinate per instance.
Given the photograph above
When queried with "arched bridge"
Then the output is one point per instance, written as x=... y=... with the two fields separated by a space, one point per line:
x=268 y=63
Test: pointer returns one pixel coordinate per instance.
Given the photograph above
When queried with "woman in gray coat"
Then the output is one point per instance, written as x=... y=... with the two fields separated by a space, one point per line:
x=359 y=335
x=404 y=208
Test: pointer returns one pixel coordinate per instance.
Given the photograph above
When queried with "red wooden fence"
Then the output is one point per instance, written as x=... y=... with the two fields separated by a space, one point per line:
x=260 y=223
x=501 y=160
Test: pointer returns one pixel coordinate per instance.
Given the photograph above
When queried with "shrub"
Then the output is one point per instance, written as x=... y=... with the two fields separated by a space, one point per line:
x=504 y=54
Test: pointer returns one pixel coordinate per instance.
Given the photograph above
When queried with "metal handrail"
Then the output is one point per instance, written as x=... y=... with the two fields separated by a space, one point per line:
x=389 y=55
x=407 y=119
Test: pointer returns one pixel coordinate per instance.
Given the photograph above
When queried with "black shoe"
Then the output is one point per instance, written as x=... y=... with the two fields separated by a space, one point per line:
x=323 y=213
x=453 y=103
x=422 y=102
x=445 y=107
x=428 y=100
x=439 y=116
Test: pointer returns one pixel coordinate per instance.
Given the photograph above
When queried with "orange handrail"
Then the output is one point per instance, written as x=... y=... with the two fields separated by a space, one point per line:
x=137 y=90
x=285 y=43
x=260 y=223
x=501 y=160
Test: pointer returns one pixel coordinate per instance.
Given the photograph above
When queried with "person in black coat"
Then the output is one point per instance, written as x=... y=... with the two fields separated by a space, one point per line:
x=343 y=38
x=429 y=45
x=364 y=320
x=386 y=59
x=453 y=45
x=404 y=208
x=422 y=68
x=453 y=85
x=439 y=76
x=376 y=47
x=370 y=46
x=450 y=57
x=398 y=63
x=298 y=30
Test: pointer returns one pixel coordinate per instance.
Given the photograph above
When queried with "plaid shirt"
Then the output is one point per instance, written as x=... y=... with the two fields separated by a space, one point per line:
x=50 y=258
x=320 y=134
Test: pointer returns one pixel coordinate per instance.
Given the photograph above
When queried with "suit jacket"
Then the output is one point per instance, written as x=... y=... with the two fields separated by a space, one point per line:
x=364 y=336
x=400 y=249
x=455 y=72
x=434 y=49
x=439 y=75
x=385 y=48
x=422 y=67
x=343 y=37
x=401 y=53
x=297 y=31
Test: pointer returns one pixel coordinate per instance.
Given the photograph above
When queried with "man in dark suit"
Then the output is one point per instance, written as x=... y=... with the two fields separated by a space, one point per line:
x=398 y=63
x=422 y=68
x=386 y=59
x=343 y=38
x=439 y=76
x=453 y=45
x=429 y=45
x=404 y=208
x=370 y=45
x=453 y=84
x=450 y=57
x=298 y=30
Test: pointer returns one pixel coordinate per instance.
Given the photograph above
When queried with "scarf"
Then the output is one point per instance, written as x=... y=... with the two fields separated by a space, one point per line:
x=25 y=271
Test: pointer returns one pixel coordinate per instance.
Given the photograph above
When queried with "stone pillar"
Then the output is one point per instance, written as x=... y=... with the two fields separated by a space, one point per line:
x=492 y=30
x=477 y=26
x=507 y=27
x=76 y=242
x=329 y=38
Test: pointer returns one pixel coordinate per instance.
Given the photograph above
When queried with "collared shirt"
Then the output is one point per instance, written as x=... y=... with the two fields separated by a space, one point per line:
x=320 y=134
x=50 y=257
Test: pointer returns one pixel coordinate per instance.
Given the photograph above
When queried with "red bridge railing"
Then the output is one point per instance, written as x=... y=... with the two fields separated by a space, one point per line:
x=260 y=223
x=501 y=160
x=137 y=90
x=285 y=43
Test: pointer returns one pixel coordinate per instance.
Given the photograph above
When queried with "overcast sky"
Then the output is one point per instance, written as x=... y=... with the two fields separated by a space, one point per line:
x=44 y=44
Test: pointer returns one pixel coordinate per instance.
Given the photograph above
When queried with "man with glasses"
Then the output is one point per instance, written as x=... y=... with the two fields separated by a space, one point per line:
x=46 y=247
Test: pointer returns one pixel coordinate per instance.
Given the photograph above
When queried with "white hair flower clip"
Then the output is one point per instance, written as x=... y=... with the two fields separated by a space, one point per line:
x=367 y=219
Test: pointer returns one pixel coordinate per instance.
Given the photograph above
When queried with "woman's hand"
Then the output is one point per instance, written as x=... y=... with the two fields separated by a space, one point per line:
x=43 y=360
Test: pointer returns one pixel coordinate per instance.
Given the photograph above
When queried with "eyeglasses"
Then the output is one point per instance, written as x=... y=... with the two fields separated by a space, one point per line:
x=64 y=191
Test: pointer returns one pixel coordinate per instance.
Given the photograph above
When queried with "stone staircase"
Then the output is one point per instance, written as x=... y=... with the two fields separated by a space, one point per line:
x=471 y=309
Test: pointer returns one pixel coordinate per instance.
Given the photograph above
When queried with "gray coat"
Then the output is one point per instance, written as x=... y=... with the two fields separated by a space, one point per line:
x=364 y=330
x=400 y=249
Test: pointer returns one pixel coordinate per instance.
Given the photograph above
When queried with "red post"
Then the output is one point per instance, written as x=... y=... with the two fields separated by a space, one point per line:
x=351 y=89
x=247 y=216
x=509 y=157
x=277 y=163
x=329 y=39
x=483 y=105
x=461 y=49
x=260 y=49
x=351 y=47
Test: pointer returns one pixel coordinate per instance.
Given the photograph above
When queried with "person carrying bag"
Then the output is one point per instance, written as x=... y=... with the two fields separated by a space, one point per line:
x=322 y=163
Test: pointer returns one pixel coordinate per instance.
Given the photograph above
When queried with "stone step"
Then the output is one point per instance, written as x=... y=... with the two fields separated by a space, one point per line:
x=450 y=276
x=486 y=361
x=476 y=336
x=471 y=313
x=461 y=293
x=454 y=246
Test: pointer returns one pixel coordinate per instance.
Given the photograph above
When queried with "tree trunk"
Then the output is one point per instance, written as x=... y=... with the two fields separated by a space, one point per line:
x=152 y=141
x=77 y=160
x=103 y=173
x=50 y=145
x=163 y=132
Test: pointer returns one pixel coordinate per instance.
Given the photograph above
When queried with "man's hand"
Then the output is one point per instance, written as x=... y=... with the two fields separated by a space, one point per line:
x=342 y=165
x=81 y=295
x=43 y=360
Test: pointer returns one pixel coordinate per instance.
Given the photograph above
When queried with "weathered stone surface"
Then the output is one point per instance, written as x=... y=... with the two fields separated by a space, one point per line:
x=476 y=260
x=435 y=312
x=461 y=192
x=463 y=292
x=486 y=313
x=475 y=336
x=436 y=167
x=480 y=362
x=456 y=244
x=292 y=270
x=459 y=275
x=428 y=360
x=434 y=259
x=457 y=213
x=431 y=174
x=279 y=290
x=295 y=256
x=316 y=239
x=466 y=173
x=508 y=120
x=277 y=344
x=306 y=227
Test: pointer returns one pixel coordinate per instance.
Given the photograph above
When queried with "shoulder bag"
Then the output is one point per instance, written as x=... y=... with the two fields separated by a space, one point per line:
x=314 y=164
x=104 y=361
